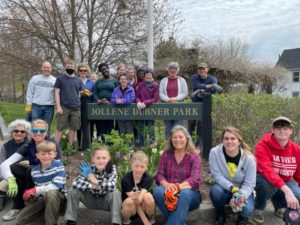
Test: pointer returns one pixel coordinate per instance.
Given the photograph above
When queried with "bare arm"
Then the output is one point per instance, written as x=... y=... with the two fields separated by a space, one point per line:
x=57 y=101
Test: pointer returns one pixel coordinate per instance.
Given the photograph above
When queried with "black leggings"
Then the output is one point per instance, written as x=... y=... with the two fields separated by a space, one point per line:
x=24 y=182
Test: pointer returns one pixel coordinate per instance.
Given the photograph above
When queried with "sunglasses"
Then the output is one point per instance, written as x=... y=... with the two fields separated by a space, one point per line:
x=82 y=70
x=19 y=131
x=36 y=130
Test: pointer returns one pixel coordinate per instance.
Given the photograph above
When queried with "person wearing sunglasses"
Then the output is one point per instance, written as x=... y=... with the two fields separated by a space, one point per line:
x=18 y=176
x=19 y=132
x=83 y=134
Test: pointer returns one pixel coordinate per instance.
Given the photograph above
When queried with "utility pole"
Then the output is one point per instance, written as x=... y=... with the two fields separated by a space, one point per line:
x=150 y=34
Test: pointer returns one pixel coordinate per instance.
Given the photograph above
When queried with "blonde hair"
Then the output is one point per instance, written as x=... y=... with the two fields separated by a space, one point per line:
x=70 y=61
x=238 y=134
x=139 y=156
x=39 y=121
x=190 y=146
x=84 y=65
x=100 y=148
x=45 y=146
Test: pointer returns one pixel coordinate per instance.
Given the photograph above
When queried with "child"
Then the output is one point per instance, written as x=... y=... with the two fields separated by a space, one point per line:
x=67 y=100
x=123 y=95
x=95 y=188
x=49 y=179
x=135 y=187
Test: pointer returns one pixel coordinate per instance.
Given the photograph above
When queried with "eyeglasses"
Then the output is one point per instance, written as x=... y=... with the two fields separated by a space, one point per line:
x=19 y=131
x=36 y=130
x=82 y=70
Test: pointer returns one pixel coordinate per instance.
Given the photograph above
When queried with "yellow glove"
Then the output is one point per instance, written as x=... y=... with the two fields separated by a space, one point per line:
x=86 y=92
x=28 y=108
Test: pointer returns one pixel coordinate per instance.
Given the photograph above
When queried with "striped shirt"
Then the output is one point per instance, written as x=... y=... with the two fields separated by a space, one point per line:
x=53 y=178
x=188 y=170
x=106 y=182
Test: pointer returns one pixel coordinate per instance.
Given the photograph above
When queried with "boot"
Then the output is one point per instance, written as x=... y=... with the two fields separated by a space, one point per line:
x=241 y=220
x=221 y=217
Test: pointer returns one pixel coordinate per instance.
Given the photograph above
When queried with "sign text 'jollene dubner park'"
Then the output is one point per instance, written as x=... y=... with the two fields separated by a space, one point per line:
x=159 y=111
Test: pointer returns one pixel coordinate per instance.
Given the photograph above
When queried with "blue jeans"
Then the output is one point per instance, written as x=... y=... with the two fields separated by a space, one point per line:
x=264 y=191
x=142 y=130
x=170 y=124
x=43 y=112
x=221 y=197
x=188 y=200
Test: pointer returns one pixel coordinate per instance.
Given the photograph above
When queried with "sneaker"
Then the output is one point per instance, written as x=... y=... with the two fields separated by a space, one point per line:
x=3 y=186
x=258 y=216
x=241 y=220
x=2 y=201
x=279 y=212
x=221 y=218
x=11 y=214
x=71 y=222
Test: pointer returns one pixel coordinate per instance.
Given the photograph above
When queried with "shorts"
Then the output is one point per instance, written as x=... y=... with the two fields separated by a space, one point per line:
x=69 y=119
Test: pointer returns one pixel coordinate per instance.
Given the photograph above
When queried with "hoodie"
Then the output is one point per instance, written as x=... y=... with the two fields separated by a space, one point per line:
x=275 y=163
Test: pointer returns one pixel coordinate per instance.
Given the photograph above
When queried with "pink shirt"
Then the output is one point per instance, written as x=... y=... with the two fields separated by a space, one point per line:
x=172 y=87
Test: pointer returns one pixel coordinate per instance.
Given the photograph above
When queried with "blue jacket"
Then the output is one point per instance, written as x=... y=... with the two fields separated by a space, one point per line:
x=199 y=83
x=127 y=96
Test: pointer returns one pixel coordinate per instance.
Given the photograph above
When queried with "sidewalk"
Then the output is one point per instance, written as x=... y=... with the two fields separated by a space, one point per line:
x=203 y=216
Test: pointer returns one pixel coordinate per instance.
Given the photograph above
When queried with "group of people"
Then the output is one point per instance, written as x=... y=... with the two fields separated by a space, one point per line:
x=70 y=93
x=33 y=175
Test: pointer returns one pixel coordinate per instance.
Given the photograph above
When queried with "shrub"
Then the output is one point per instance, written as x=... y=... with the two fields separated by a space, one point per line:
x=252 y=114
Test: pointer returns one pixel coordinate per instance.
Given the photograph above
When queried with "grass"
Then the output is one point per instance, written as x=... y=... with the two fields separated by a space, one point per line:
x=12 y=111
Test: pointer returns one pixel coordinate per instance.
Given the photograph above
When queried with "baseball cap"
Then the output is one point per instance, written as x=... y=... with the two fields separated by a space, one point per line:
x=282 y=118
x=203 y=64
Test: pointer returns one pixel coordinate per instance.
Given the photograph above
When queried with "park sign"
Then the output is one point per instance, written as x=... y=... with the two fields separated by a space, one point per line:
x=157 y=111
x=160 y=111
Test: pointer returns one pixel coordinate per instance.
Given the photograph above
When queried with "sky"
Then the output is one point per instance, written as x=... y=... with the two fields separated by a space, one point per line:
x=267 y=26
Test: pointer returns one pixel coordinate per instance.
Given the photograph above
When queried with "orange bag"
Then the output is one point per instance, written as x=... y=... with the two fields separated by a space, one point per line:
x=171 y=198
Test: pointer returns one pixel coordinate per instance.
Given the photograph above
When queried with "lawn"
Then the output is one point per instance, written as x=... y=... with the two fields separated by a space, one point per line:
x=12 y=111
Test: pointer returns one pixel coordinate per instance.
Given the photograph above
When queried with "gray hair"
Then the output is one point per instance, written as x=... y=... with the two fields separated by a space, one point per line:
x=175 y=65
x=19 y=122
x=190 y=146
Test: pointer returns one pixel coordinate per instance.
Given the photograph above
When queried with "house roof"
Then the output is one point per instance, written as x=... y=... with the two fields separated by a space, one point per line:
x=290 y=59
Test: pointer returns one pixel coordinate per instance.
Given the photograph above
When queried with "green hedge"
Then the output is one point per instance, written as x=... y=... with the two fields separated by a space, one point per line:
x=252 y=114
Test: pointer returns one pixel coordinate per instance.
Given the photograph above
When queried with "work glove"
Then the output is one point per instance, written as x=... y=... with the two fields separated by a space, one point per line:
x=12 y=190
x=29 y=194
x=28 y=108
x=85 y=169
x=171 y=198
x=86 y=92
x=236 y=202
x=291 y=216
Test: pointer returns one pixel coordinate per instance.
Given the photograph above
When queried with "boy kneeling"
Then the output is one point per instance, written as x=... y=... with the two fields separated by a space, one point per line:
x=49 y=180
x=135 y=191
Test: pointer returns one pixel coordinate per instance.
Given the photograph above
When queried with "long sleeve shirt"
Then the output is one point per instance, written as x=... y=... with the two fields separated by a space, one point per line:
x=275 y=163
x=127 y=96
x=53 y=178
x=244 y=177
x=106 y=182
x=182 y=89
x=188 y=170
x=40 y=90
x=147 y=94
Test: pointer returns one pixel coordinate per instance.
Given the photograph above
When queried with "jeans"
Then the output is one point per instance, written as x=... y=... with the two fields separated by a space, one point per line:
x=44 y=112
x=221 y=197
x=188 y=200
x=144 y=127
x=170 y=124
x=265 y=190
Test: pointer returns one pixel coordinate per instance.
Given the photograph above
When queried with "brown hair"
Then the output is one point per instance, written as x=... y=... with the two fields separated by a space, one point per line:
x=70 y=61
x=100 y=148
x=236 y=132
x=190 y=146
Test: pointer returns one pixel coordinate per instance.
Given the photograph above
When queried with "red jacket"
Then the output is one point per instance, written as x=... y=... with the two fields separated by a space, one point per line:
x=275 y=163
